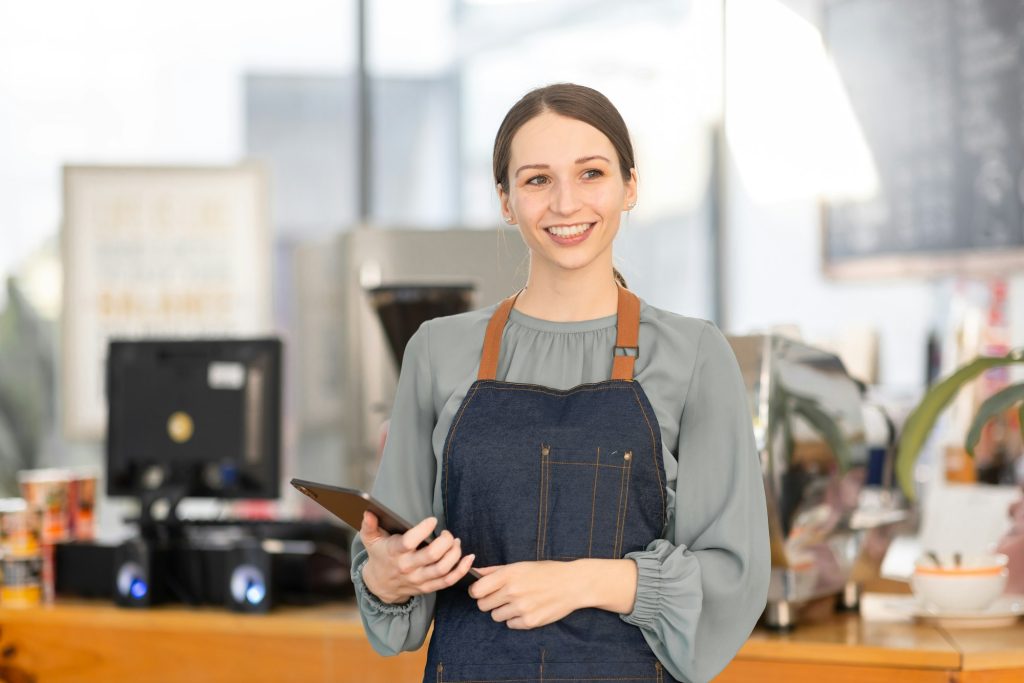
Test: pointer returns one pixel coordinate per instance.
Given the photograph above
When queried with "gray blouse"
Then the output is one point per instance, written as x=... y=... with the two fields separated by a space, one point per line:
x=700 y=590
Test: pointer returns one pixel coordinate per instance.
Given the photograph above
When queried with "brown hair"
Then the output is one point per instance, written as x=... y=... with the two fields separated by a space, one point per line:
x=573 y=101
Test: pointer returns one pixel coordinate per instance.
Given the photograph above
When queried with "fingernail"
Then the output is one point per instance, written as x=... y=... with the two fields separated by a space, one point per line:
x=459 y=541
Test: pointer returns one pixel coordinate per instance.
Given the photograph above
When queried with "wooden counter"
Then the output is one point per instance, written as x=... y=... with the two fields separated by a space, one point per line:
x=85 y=642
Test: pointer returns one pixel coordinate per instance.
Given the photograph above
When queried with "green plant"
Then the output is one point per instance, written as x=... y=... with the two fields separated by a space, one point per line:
x=787 y=404
x=922 y=419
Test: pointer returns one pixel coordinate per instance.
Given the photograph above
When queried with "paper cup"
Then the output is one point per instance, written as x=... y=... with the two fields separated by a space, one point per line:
x=82 y=506
x=48 y=490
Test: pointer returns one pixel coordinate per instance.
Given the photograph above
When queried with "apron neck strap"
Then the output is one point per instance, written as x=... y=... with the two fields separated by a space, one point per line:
x=492 y=338
x=627 y=344
x=626 y=341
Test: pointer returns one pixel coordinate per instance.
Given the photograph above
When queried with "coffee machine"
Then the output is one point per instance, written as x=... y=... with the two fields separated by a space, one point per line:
x=364 y=295
x=827 y=528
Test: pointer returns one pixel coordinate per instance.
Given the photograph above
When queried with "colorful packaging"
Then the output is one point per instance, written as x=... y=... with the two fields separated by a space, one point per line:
x=82 y=506
x=20 y=528
x=22 y=581
x=48 y=490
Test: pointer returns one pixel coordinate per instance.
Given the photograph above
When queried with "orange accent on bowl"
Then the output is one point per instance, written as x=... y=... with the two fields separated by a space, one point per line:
x=965 y=571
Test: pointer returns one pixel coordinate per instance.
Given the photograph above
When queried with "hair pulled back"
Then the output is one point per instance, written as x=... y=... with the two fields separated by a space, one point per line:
x=572 y=101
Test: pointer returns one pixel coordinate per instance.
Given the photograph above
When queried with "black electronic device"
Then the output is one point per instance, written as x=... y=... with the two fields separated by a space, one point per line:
x=350 y=504
x=193 y=418
x=138 y=574
x=246 y=566
x=83 y=569
x=248 y=579
x=201 y=418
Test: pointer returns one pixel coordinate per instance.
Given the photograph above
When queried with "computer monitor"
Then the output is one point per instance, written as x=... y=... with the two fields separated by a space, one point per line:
x=200 y=418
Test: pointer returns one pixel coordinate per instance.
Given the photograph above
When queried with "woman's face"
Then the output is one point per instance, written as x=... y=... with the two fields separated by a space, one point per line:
x=566 y=192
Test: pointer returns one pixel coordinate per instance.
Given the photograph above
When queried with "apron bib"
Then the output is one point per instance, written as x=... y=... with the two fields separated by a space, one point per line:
x=534 y=473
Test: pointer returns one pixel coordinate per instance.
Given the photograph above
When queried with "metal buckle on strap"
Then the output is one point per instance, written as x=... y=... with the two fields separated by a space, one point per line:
x=633 y=351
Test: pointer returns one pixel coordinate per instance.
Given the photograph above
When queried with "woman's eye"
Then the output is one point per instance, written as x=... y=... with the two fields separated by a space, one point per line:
x=592 y=173
x=537 y=180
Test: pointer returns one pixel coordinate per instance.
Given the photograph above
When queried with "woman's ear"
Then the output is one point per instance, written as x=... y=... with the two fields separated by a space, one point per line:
x=629 y=200
x=506 y=210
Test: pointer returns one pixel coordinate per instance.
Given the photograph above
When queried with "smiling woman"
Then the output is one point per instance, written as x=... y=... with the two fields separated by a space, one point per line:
x=566 y=197
x=554 y=436
x=565 y=192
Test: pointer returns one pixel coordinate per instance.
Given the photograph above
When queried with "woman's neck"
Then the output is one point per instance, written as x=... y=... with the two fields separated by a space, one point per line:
x=569 y=296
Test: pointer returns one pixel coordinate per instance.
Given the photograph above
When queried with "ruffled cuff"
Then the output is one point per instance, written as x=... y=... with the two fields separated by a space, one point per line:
x=646 y=606
x=370 y=603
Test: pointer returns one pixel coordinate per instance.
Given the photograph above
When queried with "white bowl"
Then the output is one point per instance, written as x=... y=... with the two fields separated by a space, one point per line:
x=970 y=585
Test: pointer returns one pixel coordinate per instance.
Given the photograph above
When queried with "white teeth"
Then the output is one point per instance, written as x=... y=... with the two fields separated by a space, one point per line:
x=568 y=230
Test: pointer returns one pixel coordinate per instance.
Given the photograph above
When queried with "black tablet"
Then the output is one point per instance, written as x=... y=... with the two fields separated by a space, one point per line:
x=348 y=505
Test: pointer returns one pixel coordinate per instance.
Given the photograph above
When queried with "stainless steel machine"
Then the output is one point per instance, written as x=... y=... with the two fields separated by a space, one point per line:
x=828 y=530
x=389 y=281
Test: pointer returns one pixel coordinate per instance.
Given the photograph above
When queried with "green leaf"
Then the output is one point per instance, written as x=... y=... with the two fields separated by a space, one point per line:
x=922 y=419
x=994 y=405
x=826 y=426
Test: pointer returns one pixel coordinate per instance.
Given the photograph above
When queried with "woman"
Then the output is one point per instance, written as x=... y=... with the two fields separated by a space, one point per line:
x=601 y=468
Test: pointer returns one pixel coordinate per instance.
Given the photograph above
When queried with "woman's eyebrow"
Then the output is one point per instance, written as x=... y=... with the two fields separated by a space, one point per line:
x=581 y=160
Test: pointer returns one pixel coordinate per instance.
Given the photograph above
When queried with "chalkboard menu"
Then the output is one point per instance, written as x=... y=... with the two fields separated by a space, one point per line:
x=938 y=89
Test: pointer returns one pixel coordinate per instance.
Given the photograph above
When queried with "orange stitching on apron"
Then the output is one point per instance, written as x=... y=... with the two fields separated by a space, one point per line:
x=541 y=528
x=547 y=502
x=625 y=505
x=657 y=671
x=593 y=503
x=440 y=668
x=657 y=470
x=587 y=464
x=451 y=440
x=618 y=515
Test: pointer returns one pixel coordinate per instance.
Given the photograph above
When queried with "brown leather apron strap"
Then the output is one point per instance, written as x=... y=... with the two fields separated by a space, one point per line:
x=627 y=344
x=492 y=338
x=626 y=341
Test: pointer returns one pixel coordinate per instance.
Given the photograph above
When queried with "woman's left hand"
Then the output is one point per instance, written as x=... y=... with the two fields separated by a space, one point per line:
x=527 y=595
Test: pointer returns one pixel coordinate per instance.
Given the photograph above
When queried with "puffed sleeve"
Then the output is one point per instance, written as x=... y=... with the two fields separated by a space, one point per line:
x=701 y=590
x=405 y=483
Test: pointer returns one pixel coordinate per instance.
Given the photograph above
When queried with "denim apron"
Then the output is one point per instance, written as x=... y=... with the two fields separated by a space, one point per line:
x=534 y=473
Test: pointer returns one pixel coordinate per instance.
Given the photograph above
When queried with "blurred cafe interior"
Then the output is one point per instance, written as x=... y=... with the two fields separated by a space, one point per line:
x=220 y=224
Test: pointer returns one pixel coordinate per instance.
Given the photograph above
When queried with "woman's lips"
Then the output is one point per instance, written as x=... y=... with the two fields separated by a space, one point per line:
x=571 y=239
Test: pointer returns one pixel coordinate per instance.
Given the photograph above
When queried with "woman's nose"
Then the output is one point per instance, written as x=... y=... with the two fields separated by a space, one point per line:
x=565 y=200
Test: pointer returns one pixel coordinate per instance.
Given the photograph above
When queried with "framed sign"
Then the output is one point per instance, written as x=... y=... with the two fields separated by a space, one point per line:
x=156 y=252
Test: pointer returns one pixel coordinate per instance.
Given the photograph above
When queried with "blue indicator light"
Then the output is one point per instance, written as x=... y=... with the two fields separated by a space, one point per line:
x=138 y=589
x=255 y=592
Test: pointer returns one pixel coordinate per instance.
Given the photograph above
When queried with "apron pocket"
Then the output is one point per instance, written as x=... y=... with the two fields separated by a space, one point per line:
x=584 y=498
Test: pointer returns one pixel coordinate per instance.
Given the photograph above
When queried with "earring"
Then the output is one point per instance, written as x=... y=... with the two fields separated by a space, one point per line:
x=508 y=219
x=632 y=205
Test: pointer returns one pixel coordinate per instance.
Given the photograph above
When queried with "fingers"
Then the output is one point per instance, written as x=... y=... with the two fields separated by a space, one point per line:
x=435 y=560
x=436 y=550
x=412 y=538
x=447 y=561
x=504 y=613
x=488 y=584
x=452 y=577
x=369 y=531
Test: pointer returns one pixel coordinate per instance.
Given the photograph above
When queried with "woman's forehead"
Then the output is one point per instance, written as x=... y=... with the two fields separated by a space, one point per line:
x=552 y=138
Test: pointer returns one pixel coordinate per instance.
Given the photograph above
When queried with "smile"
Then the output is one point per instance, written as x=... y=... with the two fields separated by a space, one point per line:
x=569 y=232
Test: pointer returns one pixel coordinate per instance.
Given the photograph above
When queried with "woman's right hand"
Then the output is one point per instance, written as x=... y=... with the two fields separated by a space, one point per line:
x=398 y=569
